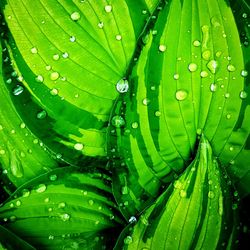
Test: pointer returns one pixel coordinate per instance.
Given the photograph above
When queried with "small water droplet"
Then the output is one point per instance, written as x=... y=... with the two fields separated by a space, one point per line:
x=39 y=78
x=204 y=74
x=25 y=193
x=196 y=43
x=75 y=16
x=108 y=8
x=162 y=47
x=122 y=86
x=56 y=57
x=244 y=73
x=65 y=217
x=78 y=146
x=18 y=90
x=228 y=116
x=178 y=184
x=206 y=54
x=227 y=95
x=128 y=240
x=12 y=218
x=41 y=188
x=16 y=165
x=118 y=121
x=181 y=95
x=54 y=76
x=211 y=194
x=231 y=68
x=192 y=67
x=132 y=219
x=61 y=205
x=118 y=37
x=213 y=87
x=18 y=203
x=100 y=25
x=218 y=53
x=244 y=15
x=51 y=237
x=72 y=39
x=213 y=66
x=22 y=125
x=124 y=190
x=65 y=55
x=145 y=101
x=48 y=67
x=176 y=76
x=53 y=177
x=34 y=50
x=41 y=114
x=54 y=92
x=91 y=202
x=183 y=193
x=134 y=125
x=231 y=148
x=243 y=94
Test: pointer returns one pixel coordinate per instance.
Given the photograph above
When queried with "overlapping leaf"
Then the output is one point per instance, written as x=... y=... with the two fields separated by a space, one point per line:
x=196 y=212
x=63 y=208
x=22 y=155
x=189 y=79
x=71 y=55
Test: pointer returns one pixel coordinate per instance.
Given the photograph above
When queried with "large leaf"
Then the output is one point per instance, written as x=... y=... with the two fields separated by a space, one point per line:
x=22 y=155
x=196 y=212
x=189 y=79
x=70 y=55
x=63 y=208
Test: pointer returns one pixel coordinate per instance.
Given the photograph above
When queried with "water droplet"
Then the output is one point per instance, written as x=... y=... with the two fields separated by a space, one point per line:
x=41 y=115
x=178 y=184
x=124 y=190
x=206 y=55
x=51 y=237
x=218 y=53
x=211 y=194
x=244 y=73
x=176 y=76
x=75 y=16
x=54 y=92
x=196 y=43
x=122 y=86
x=65 y=55
x=213 y=66
x=162 y=47
x=108 y=8
x=18 y=203
x=145 y=101
x=118 y=121
x=61 y=205
x=78 y=146
x=118 y=37
x=39 y=78
x=215 y=21
x=53 y=177
x=192 y=67
x=228 y=116
x=213 y=87
x=244 y=15
x=227 y=95
x=48 y=67
x=134 y=125
x=18 y=90
x=22 y=125
x=243 y=94
x=181 y=95
x=231 y=68
x=65 y=217
x=40 y=188
x=72 y=39
x=54 y=76
x=183 y=193
x=56 y=57
x=157 y=113
x=100 y=25
x=128 y=240
x=34 y=50
x=132 y=219
x=25 y=193
x=231 y=148
x=91 y=202
x=204 y=74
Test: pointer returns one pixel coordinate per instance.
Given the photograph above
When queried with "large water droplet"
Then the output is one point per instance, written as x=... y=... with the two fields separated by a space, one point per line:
x=192 y=67
x=181 y=95
x=231 y=68
x=65 y=217
x=243 y=94
x=78 y=146
x=122 y=86
x=39 y=78
x=118 y=121
x=18 y=90
x=213 y=87
x=213 y=66
x=54 y=76
x=108 y=8
x=244 y=73
x=162 y=47
x=40 y=188
x=75 y=16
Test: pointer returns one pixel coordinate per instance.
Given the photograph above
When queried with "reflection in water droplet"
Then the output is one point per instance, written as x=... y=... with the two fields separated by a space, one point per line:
x=118 y=121
x=40 y=188
x=122 y=86
x=18 y=90
x=192 y=67
x=78 y=146
x=41 y=115
x=213 y=66
x=75 y=16
x=181 y=95
x=243 y=94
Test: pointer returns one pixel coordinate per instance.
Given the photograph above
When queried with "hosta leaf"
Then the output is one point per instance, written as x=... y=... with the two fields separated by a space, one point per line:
x=189 y=79
x=63 y=208
x=10 y=241
x=71 y=55
x=22 y=155
x=196 y=212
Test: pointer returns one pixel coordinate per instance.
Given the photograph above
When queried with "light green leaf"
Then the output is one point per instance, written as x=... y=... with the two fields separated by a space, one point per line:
x=196 y=211
x=63 y=208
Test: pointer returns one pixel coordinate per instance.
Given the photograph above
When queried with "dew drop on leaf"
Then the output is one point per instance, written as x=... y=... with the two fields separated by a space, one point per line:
x=145 y=101
x=128 y=240
x=227 y=95
x=132 y=219
x=162 y=48
x=231 y=68
x=56 y=57
x=34 y=50
x=134 y=125
x=213 y=87
x=181 y=95
x=108 y=8
x=100 y=25
x=91 y=202
x=72 y=39
x=54 y=91
x=39 y=78
x=213 y=66
x=118 y=37
x=41 y=188
x=118 y=121
x=54 y=76
x=196 y=43
x=18 y=90
x=176 y=76
x=65 y=217
x=78 y=146
x=204 y=74
x=75 y=16
x=192 y=67
x=41 y=115
x=183 y=193
x=25 y=193
x=206 y=55
x=244 y=73
x=65 y=55
x=211 y=194
x=122 y=86
x=243 y=94
x=18 y=203
x=53 y=177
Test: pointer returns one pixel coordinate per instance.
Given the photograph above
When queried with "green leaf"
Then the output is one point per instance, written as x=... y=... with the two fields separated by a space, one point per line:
x=71 y=55
x=22 y=155
x=62 y=208
x=196 y=212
